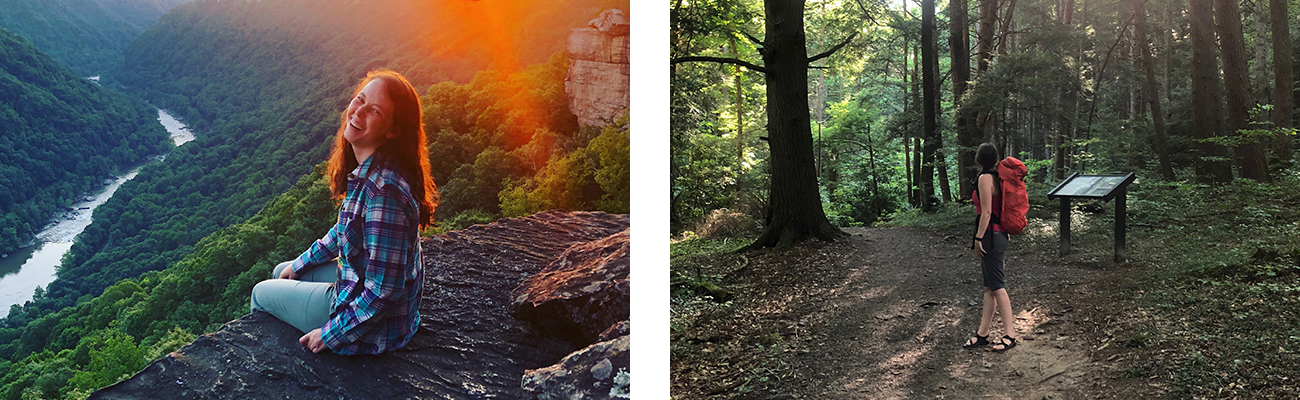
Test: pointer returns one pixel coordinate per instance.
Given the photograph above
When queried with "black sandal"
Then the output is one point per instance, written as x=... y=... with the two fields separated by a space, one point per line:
x=979 y=341
x=1005 y=345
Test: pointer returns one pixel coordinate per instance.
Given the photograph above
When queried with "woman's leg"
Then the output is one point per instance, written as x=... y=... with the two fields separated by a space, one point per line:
x=326 y=272
x=986 y=317
x=305 y=305
x=304 y=302
x=1004 y=309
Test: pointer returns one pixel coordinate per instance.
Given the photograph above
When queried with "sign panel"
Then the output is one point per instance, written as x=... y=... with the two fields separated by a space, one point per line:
x=1091 y=186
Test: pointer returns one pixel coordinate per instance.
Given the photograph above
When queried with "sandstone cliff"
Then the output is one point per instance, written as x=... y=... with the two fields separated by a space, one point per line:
x=598 y=81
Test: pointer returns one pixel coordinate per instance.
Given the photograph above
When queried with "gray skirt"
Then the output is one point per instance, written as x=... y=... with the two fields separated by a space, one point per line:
x=995 y=250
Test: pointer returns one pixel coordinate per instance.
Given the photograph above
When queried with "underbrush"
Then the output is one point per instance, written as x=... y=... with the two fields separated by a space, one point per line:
x=729 y=336
x=1213 y=306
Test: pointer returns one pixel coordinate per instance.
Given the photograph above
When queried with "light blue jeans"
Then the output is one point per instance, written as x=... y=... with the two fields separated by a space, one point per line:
x=304 y=302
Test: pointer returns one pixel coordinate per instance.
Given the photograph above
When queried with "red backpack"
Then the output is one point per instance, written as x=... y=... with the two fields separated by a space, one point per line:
x=1015 y=200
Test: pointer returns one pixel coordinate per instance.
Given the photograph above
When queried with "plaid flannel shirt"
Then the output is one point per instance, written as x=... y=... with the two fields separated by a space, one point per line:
x=376 y=241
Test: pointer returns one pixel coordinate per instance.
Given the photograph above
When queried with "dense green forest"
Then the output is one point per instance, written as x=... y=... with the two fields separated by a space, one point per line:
x=85 y=36
x=1195 y=97
x=1063 y=91
x=60 y=136
x=78 y=349
x=262 y=84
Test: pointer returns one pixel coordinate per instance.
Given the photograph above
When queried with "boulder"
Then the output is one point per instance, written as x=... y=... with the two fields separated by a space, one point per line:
x=580 y=294
x=612 y=21
x=599 y=371
x=468 y=344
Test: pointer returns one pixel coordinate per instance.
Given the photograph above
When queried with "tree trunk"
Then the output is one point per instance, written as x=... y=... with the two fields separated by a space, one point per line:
x=1283 y=85
x=740 y=128
x=918 y=191
x=967 y=138
x=1152 y=91
x=1207 y=111
x=875 y=185
x=929 y=121
x=907 y=124
x=907 y=166
x=984 y=51
x=795 y=200
x=984 y=46
x=1236 y=81
x=1261 y=56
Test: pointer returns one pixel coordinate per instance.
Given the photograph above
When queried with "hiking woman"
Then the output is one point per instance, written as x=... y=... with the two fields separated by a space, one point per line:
x=368 y=300
x=990 y=245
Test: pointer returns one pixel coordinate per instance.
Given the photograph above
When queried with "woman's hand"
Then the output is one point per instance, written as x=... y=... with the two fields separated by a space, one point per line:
x=313 y=341
x=287 y=273
x=979 y=249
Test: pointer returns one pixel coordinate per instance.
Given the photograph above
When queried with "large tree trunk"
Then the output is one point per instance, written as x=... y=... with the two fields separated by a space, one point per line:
x=1236 y=79
x=1283 y=86
x=929 y=119
x=1207 y=110
x=795 y=200
x=967 y=137
x=1152 y=92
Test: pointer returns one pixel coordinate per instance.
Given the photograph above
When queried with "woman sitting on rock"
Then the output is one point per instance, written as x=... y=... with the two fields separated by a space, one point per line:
x=368 y=300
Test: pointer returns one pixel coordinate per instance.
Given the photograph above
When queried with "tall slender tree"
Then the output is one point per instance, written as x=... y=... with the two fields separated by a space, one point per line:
x=984 y=52
x=1236 y=81
x=795 y=209
x=1283 y=85
x=964 y=120
x=1207 y=110
x=929 y=100
x=1150 y=86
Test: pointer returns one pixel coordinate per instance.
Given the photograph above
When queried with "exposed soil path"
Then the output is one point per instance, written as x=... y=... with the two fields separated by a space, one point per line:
x=882 y=315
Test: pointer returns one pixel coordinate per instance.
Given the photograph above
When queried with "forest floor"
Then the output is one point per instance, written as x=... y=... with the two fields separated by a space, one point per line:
x=882 y=314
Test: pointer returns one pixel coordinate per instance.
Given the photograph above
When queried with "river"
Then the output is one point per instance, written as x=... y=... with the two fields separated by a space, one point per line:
x=31 y=267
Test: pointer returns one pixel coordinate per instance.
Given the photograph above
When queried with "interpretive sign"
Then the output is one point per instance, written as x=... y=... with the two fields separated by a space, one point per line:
x=1094 y=187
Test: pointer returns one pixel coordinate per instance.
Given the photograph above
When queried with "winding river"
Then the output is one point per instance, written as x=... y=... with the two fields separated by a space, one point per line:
x=31 y=267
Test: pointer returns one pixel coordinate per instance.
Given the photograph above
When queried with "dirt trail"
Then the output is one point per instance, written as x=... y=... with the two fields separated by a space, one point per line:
x=887 y=317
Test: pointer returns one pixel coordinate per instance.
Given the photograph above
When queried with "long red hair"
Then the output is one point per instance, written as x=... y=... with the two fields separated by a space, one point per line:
x=408 y=148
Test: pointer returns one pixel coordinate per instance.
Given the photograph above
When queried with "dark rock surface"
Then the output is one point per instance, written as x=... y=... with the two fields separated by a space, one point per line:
x=580 y=294
x=468 y=345
x=599 y=371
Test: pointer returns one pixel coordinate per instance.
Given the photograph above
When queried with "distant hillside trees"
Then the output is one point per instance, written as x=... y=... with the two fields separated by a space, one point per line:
x=60 y=135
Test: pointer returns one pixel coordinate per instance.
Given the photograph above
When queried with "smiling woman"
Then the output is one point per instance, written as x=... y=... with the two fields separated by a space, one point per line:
x=369 y=303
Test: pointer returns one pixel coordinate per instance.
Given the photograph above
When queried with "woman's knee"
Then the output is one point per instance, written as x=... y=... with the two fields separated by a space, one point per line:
x=275 y=272
x=259 y=289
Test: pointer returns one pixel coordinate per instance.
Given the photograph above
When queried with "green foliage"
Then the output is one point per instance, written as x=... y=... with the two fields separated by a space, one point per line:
x=60 y=135
x=113 y=356
x=94 y=343
x=469 y=218
x=85 y=36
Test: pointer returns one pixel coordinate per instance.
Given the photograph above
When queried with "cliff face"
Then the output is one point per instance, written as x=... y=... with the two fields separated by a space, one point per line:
x=599 y=80
x=469 y=345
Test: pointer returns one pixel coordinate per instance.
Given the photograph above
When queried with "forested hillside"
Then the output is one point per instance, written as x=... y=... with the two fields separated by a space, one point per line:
x=85 y=36
x=78 y=349
x=60 y=135
x=262 y=83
